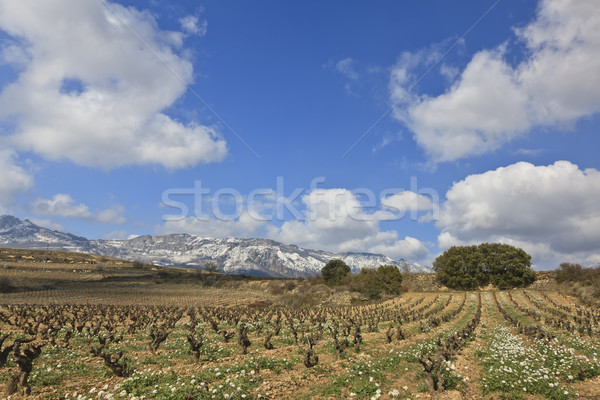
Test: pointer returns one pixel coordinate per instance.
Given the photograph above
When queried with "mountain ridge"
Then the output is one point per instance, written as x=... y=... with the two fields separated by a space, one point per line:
x=252 y=256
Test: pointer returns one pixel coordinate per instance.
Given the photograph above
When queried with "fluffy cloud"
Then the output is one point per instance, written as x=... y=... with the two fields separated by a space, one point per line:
x=15 y=180
x=551 y=211
x=493 y=102
x=63 y=205
x=408 y=201
x=337 y=221
x=94 y=79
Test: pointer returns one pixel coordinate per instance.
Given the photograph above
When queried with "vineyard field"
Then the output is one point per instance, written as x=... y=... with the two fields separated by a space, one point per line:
x=177 y=342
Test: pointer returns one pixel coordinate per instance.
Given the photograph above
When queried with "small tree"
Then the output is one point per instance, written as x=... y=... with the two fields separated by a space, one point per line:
x=334 y=272
x=211 y=267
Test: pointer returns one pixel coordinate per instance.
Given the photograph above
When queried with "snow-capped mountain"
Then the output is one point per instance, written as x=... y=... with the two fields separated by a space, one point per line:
x=251 y=256
x=24 y=234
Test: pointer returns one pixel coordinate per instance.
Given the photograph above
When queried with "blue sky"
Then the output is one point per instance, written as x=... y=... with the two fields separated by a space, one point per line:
x=401 y=128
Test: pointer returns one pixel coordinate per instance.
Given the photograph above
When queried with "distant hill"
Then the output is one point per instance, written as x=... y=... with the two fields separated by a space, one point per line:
x=28 y=256
x=260 y=257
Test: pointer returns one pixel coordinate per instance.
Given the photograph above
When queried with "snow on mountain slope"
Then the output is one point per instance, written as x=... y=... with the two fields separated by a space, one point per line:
x=27 y=235
x=250 y=256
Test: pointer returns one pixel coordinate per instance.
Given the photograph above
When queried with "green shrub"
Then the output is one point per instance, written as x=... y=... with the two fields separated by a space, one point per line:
x=369 y=284
x=6 y=285
x=582 y=282
x=373 y=283
x=391 y=278
x=334 y=272
x=576 y=273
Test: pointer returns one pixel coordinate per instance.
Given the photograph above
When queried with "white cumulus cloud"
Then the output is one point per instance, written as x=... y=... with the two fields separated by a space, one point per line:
x=94 y=80
x=63 y=205
x=336 y=220
x=14 y=179
x=551 y=211
x=493 y=102
x=408 y=201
